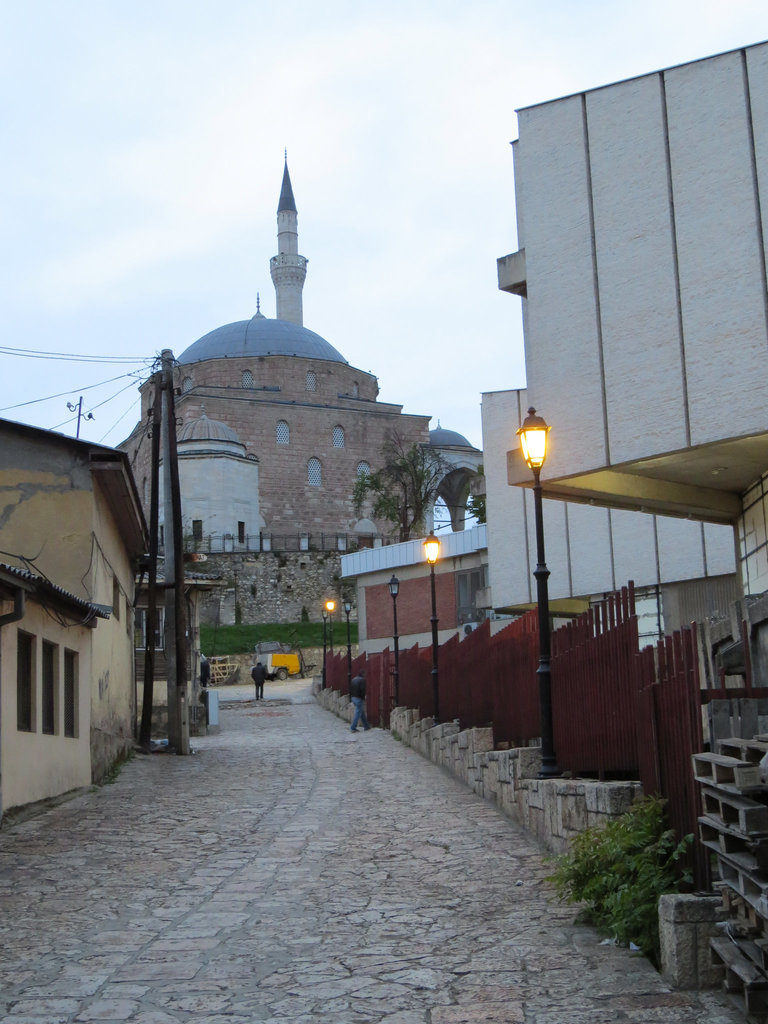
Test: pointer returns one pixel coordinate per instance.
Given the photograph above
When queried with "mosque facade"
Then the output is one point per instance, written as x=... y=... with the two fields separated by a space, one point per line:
x=275 y=426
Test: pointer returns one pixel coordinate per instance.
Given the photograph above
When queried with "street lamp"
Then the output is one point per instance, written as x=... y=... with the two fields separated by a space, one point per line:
x=431 y=551
x=533 y=442
x=347 y=610
x=325 y=641
x=394 y=587
x=329 y=606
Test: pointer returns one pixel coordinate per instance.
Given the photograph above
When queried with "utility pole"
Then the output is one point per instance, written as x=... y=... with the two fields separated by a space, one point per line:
x=145 y=733
x=175 y=618
x=79 y=407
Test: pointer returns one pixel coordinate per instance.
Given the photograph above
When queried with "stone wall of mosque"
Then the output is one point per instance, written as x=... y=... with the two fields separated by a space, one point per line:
x=272 y=586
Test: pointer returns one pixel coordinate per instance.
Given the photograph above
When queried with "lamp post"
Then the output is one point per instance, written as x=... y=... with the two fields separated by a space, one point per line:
x=325 y=642
x=347 y=610
x=431 y=551
x=329 y=607
x=394 y=587
x=533 y=442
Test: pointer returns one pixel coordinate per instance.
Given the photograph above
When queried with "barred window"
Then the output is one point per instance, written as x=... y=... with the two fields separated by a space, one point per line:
x=70 y=693
x=248 y=381
x=282 y=432
x=186 y=385
x=311 y=380
x=25 y=664
x=197 y=529
x=338 y=437
x=314 y=472
x=240 y=532
x=363 y=468
x=50 y=652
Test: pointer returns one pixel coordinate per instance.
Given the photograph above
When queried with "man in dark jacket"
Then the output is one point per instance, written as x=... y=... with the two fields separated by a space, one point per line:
x=258 y=675
x=357 y=693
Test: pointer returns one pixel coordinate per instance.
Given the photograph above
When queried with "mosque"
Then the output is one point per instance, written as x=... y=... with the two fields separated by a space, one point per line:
x=275 y=426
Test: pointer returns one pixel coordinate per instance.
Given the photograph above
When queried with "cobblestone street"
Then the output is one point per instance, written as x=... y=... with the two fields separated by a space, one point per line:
x=291 y=871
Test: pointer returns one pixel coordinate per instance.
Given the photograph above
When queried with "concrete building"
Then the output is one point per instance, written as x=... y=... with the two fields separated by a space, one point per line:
x=71 y=533
x=642 y=270
x=460 y=576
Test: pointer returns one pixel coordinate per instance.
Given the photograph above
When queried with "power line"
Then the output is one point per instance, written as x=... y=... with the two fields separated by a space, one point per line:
x=69 y=356
x=62 y=394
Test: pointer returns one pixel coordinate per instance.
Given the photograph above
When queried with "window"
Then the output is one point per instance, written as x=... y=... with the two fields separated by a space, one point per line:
x=25 y=664
x=116 y=597
x=355 y=389
x=314 y=472
x=241 y=533
x=338 y=437
x=282 y=432
x=186 y=385
x=140 y=632
x=311 y=380
x=363 y=468
x=197 y=529
x=70 y=693
x=248 y=381
x=50 y=659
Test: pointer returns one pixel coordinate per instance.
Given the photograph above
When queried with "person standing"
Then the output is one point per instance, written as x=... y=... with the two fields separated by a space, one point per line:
x=258 y=675
x=357 y=693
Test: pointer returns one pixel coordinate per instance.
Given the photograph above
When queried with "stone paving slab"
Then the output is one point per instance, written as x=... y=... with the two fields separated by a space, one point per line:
x=288 y=871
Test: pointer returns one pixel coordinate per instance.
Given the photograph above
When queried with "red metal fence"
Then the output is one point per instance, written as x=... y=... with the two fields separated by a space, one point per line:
x=617 y=711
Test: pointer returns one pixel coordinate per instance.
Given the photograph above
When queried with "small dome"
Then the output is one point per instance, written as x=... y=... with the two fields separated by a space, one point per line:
x=260 y=336
x=442 y=438
x=204 y=429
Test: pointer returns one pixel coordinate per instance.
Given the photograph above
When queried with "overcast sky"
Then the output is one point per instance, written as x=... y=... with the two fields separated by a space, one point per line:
x=142 y=153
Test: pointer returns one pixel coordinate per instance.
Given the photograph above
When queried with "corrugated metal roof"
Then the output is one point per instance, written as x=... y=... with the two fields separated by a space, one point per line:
x=42 y=585
x=411 y=552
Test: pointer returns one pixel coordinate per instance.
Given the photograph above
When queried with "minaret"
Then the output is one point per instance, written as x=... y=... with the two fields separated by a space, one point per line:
x=288 y=269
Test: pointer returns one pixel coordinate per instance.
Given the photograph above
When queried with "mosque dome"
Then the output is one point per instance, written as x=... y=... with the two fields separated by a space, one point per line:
x=203 y=429
x=442 y=438
x=260 y=336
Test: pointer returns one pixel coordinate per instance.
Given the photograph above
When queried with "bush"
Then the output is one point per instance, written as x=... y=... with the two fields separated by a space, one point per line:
x=241 y=639
x=619 y=870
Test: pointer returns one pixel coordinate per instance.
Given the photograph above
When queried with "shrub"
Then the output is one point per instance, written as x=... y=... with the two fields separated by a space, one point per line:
x=619 y=870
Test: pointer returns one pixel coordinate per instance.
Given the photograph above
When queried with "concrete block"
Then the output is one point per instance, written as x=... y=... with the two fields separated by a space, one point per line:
x=481 y=739
x=529 y=762
x=686 y=924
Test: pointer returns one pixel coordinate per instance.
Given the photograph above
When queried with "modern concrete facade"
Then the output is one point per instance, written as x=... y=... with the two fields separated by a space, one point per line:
x=683 y=570
x=72 y=533
x=642 y=270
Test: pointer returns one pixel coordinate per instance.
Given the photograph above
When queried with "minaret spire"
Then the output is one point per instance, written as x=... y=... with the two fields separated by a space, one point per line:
x=288 y=269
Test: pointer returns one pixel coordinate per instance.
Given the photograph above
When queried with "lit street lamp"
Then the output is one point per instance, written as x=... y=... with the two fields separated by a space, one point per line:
x=347 y=610
x=533 y=442
x=431 y=551
x=394 y=587
x=325 y=641
x=329 y=607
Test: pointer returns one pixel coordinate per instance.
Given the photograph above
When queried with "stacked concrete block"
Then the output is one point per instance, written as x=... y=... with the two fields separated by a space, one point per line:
x=687 y=923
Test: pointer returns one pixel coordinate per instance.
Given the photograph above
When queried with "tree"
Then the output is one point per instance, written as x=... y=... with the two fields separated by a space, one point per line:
x=405 y=487
x=476 y=502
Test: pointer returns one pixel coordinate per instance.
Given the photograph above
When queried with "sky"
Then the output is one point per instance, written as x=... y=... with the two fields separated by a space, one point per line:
x=142 y=155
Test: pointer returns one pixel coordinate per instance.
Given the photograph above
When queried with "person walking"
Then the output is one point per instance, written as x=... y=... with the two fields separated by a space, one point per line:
x=258 y=675
x=357 y=693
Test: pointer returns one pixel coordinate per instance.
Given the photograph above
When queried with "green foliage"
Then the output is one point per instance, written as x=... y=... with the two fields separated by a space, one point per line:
x=620 y=870
x=240 y=639
x=404 y=488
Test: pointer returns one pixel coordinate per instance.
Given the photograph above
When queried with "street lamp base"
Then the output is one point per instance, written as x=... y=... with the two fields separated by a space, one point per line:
x=549 y=770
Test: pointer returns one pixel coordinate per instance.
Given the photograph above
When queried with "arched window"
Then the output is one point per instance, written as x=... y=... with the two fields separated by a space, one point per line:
x=314 y=472
x=338 y=437
x=186 y=385
x=311 y=380
x=248 y=381
x=363 y=468
x=282 y=432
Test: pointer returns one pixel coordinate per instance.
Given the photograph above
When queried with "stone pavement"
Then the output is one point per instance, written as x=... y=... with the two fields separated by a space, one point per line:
x=289 y=871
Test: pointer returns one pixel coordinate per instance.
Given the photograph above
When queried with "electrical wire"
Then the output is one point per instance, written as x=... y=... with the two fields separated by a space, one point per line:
x=69 y=356
x=71 y=391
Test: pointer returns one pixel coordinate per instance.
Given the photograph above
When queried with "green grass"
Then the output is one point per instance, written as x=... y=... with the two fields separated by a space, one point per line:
x=216 y=640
